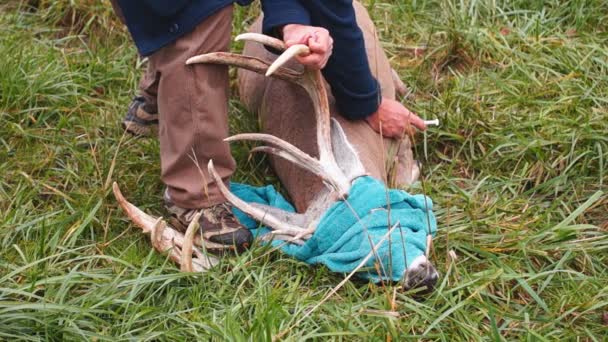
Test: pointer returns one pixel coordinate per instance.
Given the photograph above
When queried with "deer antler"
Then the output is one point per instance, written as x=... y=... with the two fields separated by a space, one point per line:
x=166 y=239
x=290 y=226
x=311 y=80
x=325 y=166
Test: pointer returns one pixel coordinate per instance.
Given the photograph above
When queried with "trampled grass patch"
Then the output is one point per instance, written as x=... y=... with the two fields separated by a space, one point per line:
x=517 y=170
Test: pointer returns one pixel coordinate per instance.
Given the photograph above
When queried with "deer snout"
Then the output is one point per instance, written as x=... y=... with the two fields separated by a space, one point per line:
x=421 y=275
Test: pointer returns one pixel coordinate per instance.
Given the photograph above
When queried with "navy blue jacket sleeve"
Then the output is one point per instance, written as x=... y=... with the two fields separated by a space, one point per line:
x=356 y=91
x=278 y=13
x=166 y=8
x=348 y=72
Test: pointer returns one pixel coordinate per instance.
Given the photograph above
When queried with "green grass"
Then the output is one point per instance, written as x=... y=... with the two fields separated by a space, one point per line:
x=518 y=172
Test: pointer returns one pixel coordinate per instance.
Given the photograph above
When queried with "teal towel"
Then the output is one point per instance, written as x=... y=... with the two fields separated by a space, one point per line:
x=342 y=238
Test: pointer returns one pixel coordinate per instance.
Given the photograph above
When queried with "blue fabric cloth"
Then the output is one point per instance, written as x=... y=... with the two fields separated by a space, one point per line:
x=154 y=24
x=342 y=239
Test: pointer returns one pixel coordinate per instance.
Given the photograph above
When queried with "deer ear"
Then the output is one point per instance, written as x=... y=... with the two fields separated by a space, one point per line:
x=345 y=154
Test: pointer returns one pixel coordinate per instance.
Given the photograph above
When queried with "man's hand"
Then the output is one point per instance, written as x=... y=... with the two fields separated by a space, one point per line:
x=316 y=38
x=393 y=120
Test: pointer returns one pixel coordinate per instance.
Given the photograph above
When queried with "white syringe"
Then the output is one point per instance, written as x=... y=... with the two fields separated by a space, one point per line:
x=432 y=122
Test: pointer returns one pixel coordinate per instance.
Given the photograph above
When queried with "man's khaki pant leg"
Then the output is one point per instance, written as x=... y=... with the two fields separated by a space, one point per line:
x=193 y=113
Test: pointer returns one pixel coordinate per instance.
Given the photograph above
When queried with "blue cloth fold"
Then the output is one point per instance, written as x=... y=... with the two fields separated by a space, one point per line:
x=342 y=238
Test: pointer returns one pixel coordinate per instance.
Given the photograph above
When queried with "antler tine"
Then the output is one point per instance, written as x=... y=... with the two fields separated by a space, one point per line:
x=156 y=234
x=291 y=153
x=202 y=261
x=186 y=261
x=271 y=139
x=287 y=151
x=256 y=213
x=274 y=43
x=293 y=51
x=313 y=166
x=250 y=63
x=140 y=218
x=287 y=55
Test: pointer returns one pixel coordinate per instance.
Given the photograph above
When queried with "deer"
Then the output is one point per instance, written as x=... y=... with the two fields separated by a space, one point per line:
x=330 y=169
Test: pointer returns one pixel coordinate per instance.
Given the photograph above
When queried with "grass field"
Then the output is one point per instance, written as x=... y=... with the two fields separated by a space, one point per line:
x=518 y=172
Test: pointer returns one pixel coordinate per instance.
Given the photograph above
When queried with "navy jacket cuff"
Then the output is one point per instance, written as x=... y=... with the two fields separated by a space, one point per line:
x=357 y=106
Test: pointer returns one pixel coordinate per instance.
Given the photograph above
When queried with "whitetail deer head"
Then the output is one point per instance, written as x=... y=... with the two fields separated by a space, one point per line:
x=338 y=166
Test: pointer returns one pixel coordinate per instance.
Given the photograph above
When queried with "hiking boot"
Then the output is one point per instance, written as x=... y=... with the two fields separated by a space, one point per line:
x=219 y=228
x=141 y=118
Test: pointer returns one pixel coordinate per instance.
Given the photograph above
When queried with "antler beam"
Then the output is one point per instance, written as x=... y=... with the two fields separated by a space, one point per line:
x=325 y=167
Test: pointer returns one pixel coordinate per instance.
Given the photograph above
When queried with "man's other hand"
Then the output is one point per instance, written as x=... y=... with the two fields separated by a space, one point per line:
x=393 y=120
x=316 y=38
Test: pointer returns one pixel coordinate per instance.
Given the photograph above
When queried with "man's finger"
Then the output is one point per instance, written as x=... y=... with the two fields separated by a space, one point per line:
x=313 y=60
x=416 y=121
x=321 y=48
x=320 y=42
x=317 y=48
x=301 y=38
